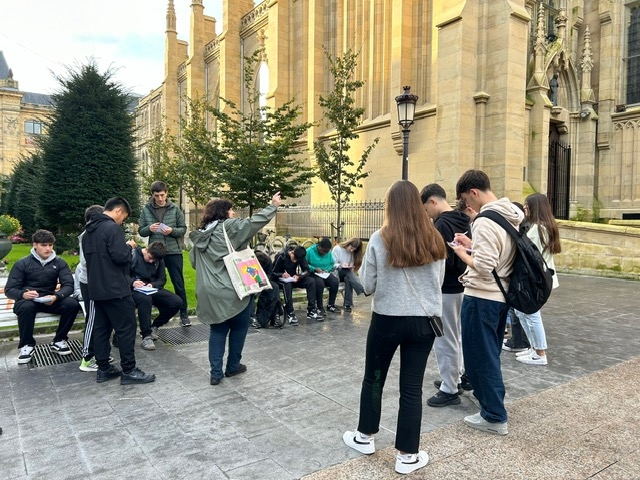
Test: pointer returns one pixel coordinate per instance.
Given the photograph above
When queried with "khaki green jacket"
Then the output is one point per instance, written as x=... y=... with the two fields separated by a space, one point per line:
x=173 y=217
x=217 y=299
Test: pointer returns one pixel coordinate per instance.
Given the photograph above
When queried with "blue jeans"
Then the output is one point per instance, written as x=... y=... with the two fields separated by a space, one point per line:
x=533 y=328
x=483 y=323
x=237 y=328
x=415 y=338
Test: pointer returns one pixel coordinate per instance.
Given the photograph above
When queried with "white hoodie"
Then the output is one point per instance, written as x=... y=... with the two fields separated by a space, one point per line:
x=492 y=248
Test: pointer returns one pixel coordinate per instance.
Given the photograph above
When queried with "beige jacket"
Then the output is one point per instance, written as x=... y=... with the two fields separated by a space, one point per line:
x=492 y=248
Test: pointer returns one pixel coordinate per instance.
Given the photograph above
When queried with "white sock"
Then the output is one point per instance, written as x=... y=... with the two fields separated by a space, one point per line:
x=361 y=437
x=407 y=457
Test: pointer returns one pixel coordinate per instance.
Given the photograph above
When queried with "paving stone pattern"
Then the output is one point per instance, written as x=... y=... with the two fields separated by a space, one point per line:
x=283 y=419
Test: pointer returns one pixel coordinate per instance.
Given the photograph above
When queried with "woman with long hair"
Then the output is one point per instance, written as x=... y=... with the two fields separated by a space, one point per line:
x=218 y=303
x=348 y=257
x=403 y=269
x=544 y=233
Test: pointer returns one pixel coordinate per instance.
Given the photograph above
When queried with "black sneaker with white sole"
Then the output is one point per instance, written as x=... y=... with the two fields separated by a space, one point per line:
x=184 y=320
x=26 y=353
x=438 y=383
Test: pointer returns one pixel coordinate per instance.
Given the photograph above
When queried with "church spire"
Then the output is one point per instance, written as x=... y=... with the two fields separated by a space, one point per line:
x=171 y=17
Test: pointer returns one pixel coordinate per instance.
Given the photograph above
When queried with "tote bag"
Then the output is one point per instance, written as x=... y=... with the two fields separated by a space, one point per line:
x=246 y=273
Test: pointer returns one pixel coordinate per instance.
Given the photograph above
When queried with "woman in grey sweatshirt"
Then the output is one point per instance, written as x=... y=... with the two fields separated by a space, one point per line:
x=403 y=269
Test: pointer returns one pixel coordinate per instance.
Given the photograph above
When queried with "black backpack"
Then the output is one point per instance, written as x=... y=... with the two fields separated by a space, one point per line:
x=531 y=281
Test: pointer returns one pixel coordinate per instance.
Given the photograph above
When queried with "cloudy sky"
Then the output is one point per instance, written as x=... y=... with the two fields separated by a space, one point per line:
x=41 y=36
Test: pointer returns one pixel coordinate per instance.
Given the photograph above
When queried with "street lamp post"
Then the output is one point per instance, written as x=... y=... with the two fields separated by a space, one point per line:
x=406 y=111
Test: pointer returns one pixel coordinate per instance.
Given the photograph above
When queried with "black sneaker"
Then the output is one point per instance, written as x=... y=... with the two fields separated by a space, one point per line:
x=105 y=375
x=255 y=323
x=311 y=314
x=241 y=369
x=465 y=384
x=443 y=399
x=136 y=376
x=321 y=312
x=333 y=309
x=61 y=347
x=184 y=320
x=348 y=309
x=437 y=384
x=293 y=320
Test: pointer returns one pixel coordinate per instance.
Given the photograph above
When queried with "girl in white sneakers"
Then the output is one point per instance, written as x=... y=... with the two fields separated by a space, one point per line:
x=403 y=269
x=545 y=235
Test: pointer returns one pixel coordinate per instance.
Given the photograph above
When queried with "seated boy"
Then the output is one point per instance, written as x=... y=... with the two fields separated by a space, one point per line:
x=290 y=270
x=269 y=308
x=321 y=264
x=147 y=270
x=32 y=284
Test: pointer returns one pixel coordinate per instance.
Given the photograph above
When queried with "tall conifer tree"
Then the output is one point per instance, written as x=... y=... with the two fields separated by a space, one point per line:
x=88 y=153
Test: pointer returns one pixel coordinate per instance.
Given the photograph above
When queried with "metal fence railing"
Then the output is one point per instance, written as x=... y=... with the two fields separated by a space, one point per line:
x=360 y=219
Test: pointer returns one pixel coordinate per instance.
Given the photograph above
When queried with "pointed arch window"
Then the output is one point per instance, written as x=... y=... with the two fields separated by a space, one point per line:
x=632 y=55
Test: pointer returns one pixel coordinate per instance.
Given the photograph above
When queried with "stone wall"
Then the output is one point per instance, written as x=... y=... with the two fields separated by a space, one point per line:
x=598 y=249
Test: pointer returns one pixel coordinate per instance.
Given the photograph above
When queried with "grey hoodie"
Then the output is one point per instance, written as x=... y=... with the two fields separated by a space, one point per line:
x=492 y=248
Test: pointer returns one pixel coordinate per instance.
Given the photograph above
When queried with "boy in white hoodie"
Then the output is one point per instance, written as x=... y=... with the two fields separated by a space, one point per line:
x=484 y=311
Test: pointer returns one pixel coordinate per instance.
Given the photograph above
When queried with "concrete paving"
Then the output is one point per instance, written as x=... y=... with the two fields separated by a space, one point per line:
x=575 y=418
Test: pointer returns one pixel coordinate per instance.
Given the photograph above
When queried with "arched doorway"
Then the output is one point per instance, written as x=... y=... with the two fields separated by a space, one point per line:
x=559 y=174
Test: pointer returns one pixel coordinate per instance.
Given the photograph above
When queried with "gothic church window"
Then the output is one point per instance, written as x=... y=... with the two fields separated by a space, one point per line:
x=632 y=58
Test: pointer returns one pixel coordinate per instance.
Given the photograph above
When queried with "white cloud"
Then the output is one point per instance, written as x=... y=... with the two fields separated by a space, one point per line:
x=38 y=37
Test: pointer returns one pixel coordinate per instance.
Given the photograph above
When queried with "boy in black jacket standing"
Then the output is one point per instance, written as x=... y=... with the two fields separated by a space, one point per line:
x=32 y=284
x=108 y=262
x=448 y=348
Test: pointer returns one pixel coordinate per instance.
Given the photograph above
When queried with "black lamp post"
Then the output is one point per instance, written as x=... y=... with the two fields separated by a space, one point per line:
x=406 y=110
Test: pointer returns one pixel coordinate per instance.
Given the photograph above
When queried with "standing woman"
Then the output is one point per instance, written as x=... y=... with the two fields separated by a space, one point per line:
x=404 y=269
x=348 y=257
x=218 y=303
x=545 y=235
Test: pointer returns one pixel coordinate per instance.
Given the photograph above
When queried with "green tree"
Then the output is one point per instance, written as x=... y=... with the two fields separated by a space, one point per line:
x=88 y=153
x=23 y=192
x=335 y=167
x=259 y=148
x=159 y=166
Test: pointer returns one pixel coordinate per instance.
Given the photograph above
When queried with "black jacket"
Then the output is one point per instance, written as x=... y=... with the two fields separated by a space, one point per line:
x=283 y=264
x=29 y=274
x=448 y=224
x=152 y=273
x=108 y=259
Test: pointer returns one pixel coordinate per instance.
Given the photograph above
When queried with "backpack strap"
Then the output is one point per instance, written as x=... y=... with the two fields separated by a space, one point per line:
x=511 y=231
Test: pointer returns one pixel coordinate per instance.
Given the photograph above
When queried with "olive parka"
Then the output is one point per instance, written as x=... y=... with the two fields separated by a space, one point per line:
x=217 y=299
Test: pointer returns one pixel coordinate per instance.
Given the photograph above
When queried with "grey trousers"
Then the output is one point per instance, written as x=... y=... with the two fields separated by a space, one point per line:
x=448 y=348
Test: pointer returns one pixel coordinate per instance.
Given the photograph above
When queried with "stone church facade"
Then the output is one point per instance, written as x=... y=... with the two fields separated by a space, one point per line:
x=544 y=95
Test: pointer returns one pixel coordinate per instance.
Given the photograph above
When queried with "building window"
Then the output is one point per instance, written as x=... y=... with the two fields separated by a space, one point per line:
x=32 y=127
x=632 y=59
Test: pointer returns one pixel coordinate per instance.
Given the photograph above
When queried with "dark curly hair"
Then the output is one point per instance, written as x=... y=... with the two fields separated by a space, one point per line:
x=216 y=209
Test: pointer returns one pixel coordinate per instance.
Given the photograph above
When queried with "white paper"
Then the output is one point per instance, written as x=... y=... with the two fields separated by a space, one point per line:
x=146 y=290
x=286 y=280
x=42 y=299
x=322 y=274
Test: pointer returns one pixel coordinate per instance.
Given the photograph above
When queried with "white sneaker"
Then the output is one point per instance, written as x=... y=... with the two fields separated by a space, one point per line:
x=26 y=353
x=476 y=421
x=61 y=347
x=413 y=463
x=525 y=353
x=148 y=344
x=533 y=359
x=353 y=440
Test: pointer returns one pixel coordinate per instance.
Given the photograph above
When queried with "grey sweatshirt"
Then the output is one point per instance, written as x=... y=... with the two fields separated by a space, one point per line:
x=392 y=293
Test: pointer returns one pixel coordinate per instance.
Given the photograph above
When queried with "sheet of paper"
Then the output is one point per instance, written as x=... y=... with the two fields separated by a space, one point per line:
x=286 y=280
x=323 y=274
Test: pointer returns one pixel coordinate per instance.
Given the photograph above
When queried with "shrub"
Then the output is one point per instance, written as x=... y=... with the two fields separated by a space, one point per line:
x=9 y=225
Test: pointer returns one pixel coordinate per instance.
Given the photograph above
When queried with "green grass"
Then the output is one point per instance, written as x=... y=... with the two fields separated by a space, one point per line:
x=20 y=250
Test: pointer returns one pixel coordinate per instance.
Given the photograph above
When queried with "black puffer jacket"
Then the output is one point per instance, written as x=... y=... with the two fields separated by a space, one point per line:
x=108 y=259
x=28 y=273
x=153 y=273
